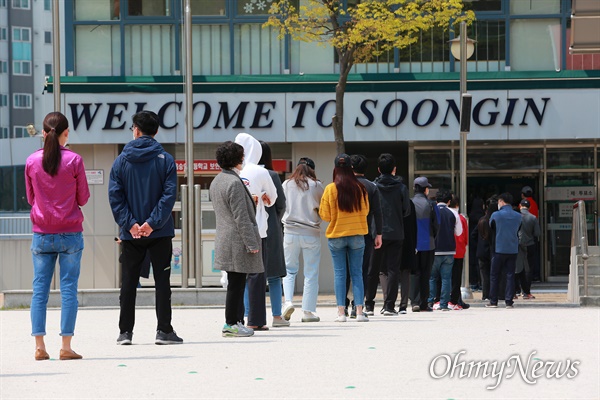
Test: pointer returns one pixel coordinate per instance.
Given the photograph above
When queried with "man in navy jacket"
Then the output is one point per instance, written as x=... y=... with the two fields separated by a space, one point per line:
x=142 y=191
x=505 y=224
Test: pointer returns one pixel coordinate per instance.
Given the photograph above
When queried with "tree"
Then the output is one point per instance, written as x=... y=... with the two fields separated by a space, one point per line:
x=359 y=32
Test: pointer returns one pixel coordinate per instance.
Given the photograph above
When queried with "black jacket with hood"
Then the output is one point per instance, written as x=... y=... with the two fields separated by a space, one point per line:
x=395 y=205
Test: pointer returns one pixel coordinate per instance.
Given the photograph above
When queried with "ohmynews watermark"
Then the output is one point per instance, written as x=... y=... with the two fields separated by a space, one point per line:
x=447 y=366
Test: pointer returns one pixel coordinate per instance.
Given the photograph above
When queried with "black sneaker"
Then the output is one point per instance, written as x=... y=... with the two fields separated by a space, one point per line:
x=353 y=312
x=125 y=338
x=369 y=311
x=167 y=338
x=389 y=312
x=465 y=305
x=416 y=308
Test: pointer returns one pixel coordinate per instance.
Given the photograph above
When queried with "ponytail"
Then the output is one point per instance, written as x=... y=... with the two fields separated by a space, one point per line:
x=55 y=124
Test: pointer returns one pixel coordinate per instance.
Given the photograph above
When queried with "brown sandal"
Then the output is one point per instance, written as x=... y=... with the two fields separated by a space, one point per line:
x=259 y=328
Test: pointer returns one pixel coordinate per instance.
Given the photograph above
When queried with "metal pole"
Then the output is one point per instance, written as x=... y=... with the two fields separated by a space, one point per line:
x=198 y=236
x=466 y=290
x=189 y=138
x=56 y=55
x=185 y=246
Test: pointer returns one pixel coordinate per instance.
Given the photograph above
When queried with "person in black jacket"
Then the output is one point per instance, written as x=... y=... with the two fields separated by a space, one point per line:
x=142 y=189
x=483 y=235
x=395 y=206
x=409 y=258
x=374 y=220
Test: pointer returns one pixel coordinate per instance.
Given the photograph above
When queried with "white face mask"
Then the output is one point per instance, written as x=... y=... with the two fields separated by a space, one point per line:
x=133 y=136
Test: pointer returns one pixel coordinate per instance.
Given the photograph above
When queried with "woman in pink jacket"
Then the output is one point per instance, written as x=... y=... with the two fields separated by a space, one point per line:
x=56 y=189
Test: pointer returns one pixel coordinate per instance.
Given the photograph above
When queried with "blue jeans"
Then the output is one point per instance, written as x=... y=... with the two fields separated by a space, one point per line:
x=45 y=249
x=310 y=246
x=274 y=295
x=348 y=249
x=442 y=267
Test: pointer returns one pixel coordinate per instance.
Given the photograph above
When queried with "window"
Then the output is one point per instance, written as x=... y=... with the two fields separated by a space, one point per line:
x=3 y=67
x=3 y=132
x=24 y=4
x=2 y=33
x=258 y=7
x=48 y=37
x=21 y=68
x=149 y=8
x=47 y=5
x=21 y=100
x=12 y=188
x=21 y=34
x=48 y=69
x=3 y=100
x=2 y=3
x=95 y=55
x=208 y=7
x=20 y=132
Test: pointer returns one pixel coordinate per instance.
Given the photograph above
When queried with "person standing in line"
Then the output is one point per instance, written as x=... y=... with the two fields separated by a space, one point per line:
x=445 y=249
x=302 y=233
x=374 y=222
x=142 y=189
x=56 y=189
x=529 y=234
x=484 y=247
x=259 y=183
x=527 y=194
x=408 y=262
x=345 y=206
x=275 y=262
x=477 y=211
x=428 y=220
x=462 y=240
x=505 y=224
x=237 y=240
x=385 y=267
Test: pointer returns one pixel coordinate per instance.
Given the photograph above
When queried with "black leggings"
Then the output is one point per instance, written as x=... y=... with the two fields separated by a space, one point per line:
x=234 y=302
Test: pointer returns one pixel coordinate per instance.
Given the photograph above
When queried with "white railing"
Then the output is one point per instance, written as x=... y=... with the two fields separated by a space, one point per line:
x=579 y=250
x=15 y=226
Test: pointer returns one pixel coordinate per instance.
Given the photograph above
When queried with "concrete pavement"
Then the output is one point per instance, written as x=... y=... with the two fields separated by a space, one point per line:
x=386 y=358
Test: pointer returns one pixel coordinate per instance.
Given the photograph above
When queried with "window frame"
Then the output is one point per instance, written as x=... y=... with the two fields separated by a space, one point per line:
x=16 y=102
x=21 y=63
x=20 y=6
x=22 y=130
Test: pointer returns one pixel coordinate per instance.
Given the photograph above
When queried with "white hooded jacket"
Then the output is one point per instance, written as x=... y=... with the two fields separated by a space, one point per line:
x=256 y=178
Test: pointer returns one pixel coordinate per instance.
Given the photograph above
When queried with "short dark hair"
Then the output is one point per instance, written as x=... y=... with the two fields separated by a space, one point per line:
x=506 y=197
x=420 y=189
x=229 y=154
x=454 y=202
x=359 y=163
x=444 y=196
x=386 y=163
x=147 y=122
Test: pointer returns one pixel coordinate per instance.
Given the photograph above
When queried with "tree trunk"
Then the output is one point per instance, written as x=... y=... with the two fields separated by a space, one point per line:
x=338 y=118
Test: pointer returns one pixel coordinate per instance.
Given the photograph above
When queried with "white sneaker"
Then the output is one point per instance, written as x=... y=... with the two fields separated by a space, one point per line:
x=288 y=310
x=310 y=317
x=362 y=318
x=340 y=318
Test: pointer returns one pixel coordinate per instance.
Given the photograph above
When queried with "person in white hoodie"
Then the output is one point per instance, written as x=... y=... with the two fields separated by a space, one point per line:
x=261 y=187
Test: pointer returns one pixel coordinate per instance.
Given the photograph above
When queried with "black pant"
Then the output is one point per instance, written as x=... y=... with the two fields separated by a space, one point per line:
x=457 y=269
x=257 y=288
x=369 y=246
x=385 y=268
x=503 y=265
x=234 y=302
x=132 y=259
x=404 y=288
x=535 y=263
x=484 y=269
x=420 y=287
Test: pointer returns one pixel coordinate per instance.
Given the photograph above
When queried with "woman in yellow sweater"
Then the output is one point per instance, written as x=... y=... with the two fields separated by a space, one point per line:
x=345 y=206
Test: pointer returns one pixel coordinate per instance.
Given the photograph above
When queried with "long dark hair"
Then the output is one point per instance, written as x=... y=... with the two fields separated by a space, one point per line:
x=483 y=226
x=265 y=158
x=349 y=189
x=302 y=174
x=55 y=124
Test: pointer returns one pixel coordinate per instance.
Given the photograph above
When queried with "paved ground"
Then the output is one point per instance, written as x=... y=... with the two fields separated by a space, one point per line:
x=387 y=358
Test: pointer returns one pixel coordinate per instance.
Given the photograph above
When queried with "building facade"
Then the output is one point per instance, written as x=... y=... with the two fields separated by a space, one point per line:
x=535 y=110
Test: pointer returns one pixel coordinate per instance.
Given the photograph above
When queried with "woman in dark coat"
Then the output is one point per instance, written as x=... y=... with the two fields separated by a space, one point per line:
x=275 y=262
x=477 y=211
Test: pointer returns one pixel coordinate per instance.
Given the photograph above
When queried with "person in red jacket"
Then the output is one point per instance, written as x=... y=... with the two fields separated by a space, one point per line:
x=456 y=302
